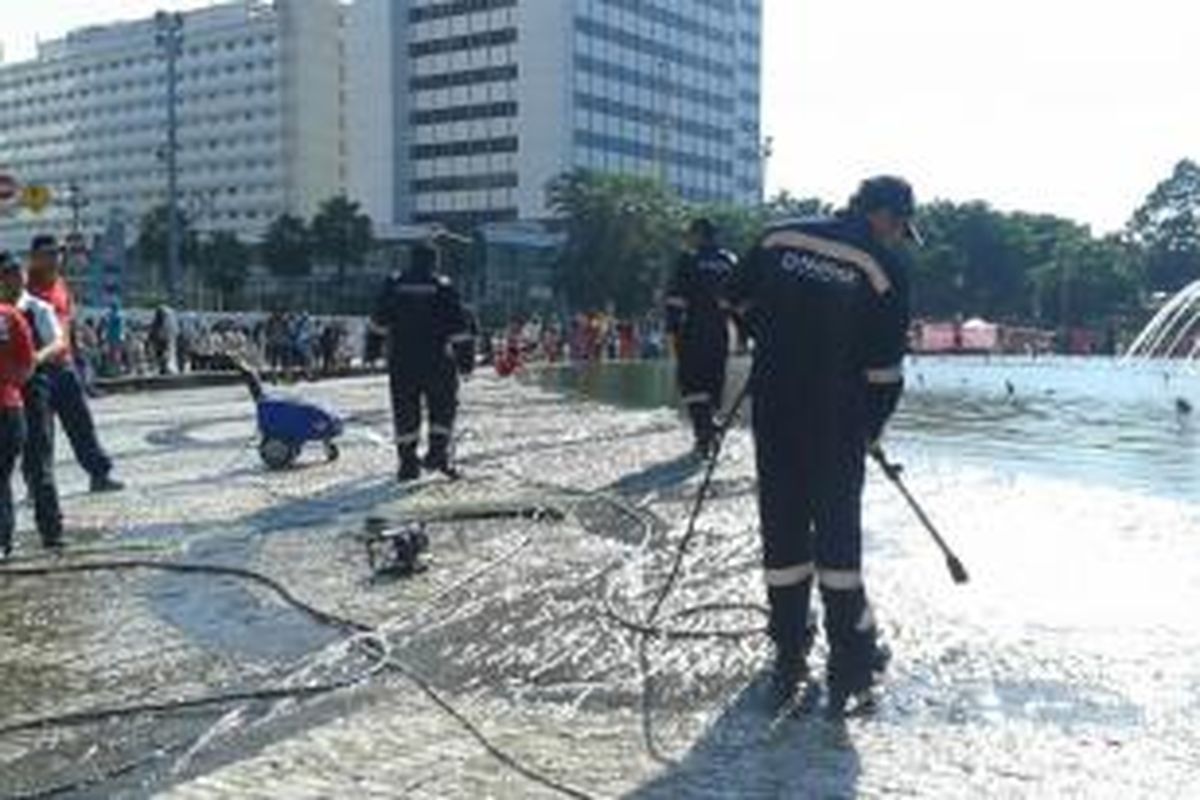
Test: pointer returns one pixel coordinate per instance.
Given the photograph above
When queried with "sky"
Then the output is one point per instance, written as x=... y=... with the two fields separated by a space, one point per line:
x=1071 y=107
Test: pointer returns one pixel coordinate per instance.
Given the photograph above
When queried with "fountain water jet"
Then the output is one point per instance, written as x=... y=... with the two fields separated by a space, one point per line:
x=1171 y=326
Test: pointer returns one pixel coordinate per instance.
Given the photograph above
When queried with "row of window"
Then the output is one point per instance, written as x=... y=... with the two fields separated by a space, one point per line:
x=468 y=41
x=149 y=91
x=691 y=184
x=468 y=77
x=109 y=155
x=25 y=81
x=206 y=167
x=126 y=131
x=467 y=113
x=650 y=152
x=467 y=220
x=652 y=47
x=465 y=183
x=671 y=19
x=118 y=109
x=152 y=83
x=647 y=116
x=656 y=83
x=456 y=8
x=466 y=147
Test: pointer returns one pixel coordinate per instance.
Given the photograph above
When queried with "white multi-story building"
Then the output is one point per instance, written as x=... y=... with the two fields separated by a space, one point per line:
x=462 y=111
x=260 y=119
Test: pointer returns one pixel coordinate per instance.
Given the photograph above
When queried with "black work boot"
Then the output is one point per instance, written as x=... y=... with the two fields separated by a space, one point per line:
x=437 y=458
x=704 y=429
x=105 y=483
x=789 y=630
x=856 y=658
x=410 y=467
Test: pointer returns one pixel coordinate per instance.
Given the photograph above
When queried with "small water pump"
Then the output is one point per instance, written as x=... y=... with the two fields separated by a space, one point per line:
x=394 y=550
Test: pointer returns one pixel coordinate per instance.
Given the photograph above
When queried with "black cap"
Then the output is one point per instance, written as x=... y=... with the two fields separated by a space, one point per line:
x=43 y=242
x=890 y=193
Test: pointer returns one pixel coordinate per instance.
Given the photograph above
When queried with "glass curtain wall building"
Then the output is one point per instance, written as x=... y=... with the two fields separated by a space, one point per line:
x=462 y=110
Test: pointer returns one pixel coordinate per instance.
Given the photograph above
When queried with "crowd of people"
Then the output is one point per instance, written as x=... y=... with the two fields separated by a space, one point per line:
x=118 y=343
x=585 y=337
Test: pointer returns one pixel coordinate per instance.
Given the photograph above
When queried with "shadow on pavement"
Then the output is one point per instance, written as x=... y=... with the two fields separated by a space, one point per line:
x=659 y=476
x=747 y=754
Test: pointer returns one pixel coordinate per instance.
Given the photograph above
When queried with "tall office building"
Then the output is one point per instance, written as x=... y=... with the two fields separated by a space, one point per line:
x=461 y=111
x=261 y=119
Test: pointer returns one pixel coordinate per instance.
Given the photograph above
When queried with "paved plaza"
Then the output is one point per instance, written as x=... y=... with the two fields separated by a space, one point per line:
x=502 y=670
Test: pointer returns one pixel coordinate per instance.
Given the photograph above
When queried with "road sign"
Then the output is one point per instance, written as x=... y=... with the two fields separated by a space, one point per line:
x=8 y=188
x=35 y=198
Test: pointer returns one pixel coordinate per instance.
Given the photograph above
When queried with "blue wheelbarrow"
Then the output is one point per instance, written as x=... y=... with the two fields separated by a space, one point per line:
x=286 y=424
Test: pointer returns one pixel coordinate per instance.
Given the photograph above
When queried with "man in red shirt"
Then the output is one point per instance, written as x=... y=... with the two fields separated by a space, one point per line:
x=67 y=397
x=16 y=365
x=37 y=456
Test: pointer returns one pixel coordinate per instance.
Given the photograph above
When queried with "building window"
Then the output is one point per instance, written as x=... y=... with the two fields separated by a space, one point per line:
x=470 y=41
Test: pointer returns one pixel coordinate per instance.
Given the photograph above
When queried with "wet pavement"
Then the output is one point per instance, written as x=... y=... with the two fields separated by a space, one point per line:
x=1066 y=668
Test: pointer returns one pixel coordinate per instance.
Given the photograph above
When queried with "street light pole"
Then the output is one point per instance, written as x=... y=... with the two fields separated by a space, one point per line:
x=170 y=38
x=768 y=150
x=76 y=201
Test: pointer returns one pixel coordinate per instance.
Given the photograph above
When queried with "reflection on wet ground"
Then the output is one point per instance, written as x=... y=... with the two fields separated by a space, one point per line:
x=1064 y=669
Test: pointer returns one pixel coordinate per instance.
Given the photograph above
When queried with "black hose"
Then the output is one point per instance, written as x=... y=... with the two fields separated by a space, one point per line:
x=323 y=617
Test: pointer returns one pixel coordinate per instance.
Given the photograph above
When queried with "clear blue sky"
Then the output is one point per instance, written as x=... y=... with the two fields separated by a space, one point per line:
x=1076 y=107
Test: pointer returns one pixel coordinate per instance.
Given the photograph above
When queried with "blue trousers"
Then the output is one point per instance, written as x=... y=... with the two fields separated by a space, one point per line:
x=69 y=403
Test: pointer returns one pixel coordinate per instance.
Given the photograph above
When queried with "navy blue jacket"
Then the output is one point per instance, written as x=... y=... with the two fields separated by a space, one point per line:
x=424 y=319
x=828 y=311
x=697 y=299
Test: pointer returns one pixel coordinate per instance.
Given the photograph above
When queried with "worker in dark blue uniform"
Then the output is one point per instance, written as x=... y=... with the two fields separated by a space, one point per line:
x=426 y=327
x=698 y=314
x=826 y=304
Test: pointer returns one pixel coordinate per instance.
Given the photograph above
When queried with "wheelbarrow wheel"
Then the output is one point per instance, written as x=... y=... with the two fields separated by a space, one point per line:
x=278 y=453
x=331 y=451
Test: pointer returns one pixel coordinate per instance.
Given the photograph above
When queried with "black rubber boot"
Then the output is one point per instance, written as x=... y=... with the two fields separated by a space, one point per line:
x=410 y=467
x=791 y=634
x=703 y=428
x=856 y=659
x=438 y=457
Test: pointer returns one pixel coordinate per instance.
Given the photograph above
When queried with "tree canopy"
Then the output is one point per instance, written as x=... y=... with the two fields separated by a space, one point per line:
x=287 y=247
x=623 y=233
x=342 y=234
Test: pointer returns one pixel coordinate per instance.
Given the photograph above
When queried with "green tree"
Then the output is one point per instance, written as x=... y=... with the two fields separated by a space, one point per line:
x=784 y=206
x=1166 y=227
x=152 y=240
x=225 y=261
x=622 y=234
x=287 y=247
x=1019 y=267
x=342 y=234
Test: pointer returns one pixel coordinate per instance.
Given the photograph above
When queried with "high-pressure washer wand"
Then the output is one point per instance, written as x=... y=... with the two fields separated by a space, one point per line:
x=892 y=470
